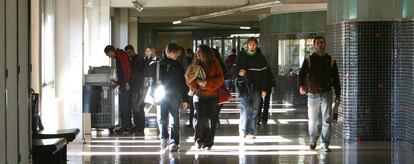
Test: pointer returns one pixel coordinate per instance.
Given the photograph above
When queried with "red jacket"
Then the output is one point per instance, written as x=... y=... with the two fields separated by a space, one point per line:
x=125 y=66
x=214 y=78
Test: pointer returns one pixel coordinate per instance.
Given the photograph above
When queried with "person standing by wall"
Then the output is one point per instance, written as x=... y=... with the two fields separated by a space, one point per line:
x=136 y=83
x=252 y=65
x=123 y=72
x=322 y=73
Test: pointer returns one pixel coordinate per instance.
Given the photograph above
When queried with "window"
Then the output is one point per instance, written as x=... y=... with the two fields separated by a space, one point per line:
x=48 y=42
x=292 y=53
x=228 y=45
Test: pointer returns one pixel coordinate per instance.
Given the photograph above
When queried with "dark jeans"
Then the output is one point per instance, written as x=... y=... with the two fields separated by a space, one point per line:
x=170 y=105
x=125 y=107
x=263 y=116
x=205 y=124
x=191 y=116
x=138 y=109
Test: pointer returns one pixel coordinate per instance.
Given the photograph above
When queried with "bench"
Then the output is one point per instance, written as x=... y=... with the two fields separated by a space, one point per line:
x=49 y=151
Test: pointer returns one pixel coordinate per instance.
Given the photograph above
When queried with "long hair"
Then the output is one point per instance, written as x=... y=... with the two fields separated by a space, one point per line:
x=207 y=53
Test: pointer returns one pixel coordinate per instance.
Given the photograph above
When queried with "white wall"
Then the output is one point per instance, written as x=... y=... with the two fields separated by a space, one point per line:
x=69 y=62
x=97 y=30
x=120 y=28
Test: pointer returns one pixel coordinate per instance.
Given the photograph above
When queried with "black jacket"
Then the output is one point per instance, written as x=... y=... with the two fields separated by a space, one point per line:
x=137 y=77
x=172 y=77
x=259 y=79
x=322 y=74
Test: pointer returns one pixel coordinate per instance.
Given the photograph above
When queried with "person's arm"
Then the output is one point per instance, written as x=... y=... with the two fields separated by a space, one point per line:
x=304 y=70
x=119 y=73
x=182 y=82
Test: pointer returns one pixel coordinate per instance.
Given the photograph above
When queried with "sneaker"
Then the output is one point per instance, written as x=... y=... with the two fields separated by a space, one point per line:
x=251 y=136
x=264 y=124
x=174 y=147
x=258 y=123
x=164 y=143
x=325 y=149
x=312 y=146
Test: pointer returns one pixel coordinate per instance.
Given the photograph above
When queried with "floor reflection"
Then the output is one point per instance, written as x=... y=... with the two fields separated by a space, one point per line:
x=284 y=140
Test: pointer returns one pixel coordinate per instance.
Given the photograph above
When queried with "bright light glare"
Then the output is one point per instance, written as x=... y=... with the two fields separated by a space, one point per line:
x=286 y=121
x=113 y=153
x=266 y=147
x=252 y=153
x=237 y=139
x=124 y=141
x=124 y=146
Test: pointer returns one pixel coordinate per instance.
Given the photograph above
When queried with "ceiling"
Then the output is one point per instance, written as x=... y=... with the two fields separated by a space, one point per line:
x=214 y=13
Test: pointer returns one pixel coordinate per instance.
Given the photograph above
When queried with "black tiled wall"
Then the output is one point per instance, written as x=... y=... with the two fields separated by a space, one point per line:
x=375 y=61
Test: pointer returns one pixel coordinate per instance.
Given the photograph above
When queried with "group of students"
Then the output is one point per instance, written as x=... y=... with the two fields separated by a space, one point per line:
x=195 y=84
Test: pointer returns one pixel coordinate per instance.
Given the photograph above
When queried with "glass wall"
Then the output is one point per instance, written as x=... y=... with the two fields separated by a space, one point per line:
x=292 y=53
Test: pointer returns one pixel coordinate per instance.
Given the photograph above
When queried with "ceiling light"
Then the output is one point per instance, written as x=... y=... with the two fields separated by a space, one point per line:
x=245 y=27
x=177 y=22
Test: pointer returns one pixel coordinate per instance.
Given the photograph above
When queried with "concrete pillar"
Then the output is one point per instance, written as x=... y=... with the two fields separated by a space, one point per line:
x=372 y=42
x=69 y=60
x=133 y=33
x=97 y=25
x=120 y=31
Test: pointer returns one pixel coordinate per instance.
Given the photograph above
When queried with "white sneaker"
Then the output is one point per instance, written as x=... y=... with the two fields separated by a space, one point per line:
x=164 y=143
x=174 y=147
x=251 y=136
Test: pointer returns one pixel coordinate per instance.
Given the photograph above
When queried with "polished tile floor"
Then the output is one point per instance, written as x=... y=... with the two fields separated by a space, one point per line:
x=284 y=140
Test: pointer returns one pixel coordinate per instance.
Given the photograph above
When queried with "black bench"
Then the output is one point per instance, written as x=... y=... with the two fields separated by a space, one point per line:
x=68 y=134
x=49 y=151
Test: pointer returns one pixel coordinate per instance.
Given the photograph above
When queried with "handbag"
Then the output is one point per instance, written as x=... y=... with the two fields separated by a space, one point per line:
x=224 y=95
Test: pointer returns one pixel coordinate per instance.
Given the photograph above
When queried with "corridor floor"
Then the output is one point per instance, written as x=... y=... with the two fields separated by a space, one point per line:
x=284 y=140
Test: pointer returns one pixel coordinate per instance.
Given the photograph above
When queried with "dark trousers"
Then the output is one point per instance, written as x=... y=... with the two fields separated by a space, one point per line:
x=191 y=116
x=125 y=107
x=138 y=109
x=265 y=105
x=205 y=124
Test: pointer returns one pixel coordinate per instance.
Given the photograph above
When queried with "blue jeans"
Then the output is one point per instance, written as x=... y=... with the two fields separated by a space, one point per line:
x=170 y=105
x=319 y=110
x=249 y=105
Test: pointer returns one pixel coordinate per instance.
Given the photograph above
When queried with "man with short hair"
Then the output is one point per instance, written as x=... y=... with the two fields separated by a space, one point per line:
x=123 y=72
x=322 y=73
x=136 y=83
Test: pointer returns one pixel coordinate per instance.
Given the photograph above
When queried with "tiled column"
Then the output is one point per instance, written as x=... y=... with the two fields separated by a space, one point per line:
x=372 y=41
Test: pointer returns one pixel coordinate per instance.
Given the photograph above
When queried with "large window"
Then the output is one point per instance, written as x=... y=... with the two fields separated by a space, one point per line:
x=48 y=42
x=292 y=53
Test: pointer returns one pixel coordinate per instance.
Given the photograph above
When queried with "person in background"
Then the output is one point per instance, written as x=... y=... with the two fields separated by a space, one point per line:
x=264 y=104
x=136 y=83
x=172 y=79
x=322 y=73
x=223 y=68
x=231 y=58
x=123 y=72
x=252 y=65
x=182 y=58
x=206 y=96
